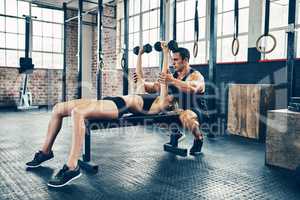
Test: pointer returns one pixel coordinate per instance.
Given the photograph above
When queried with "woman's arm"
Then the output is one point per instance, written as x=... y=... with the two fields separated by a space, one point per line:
x=140 y=88
x=165 y=67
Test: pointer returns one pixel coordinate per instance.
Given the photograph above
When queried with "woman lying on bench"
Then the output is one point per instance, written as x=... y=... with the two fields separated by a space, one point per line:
x=107 y=108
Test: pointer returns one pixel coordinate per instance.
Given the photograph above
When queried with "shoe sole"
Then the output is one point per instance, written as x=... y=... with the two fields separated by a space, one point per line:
x=32 y=167
x=196 y=153
x=58 y=186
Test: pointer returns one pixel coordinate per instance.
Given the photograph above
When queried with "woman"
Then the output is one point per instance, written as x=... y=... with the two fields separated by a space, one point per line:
x=107 y=108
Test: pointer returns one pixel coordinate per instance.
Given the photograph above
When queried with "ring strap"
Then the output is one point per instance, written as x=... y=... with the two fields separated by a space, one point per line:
x=236 y=18
x=196 y=30
x=267 y=17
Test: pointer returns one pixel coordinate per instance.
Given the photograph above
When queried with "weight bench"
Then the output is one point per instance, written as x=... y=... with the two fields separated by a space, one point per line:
x=127 y=120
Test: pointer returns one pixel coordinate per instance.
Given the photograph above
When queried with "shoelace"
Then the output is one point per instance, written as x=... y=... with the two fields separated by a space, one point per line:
x=62 y=171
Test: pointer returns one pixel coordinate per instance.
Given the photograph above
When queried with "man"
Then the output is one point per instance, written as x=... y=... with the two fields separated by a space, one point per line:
x=185 y=83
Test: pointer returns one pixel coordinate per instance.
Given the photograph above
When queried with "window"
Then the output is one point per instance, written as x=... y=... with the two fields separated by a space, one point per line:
x=225 y=30
x=278 y=26
x=185 y=28
x=143 y=29
x=47 y=51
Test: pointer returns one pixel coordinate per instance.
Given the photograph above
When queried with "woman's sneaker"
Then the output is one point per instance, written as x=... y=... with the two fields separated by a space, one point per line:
x=196 y=148
x=64 y=177
x=39 y=158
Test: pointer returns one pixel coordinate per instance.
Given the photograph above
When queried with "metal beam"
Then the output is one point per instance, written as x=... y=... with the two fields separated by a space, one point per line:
x=212 y=54
x=64 y=74
x=291 y=50
x=126 y=43
x=100 y=53
x=162 y=27
x=175 y=20
x=79 y=47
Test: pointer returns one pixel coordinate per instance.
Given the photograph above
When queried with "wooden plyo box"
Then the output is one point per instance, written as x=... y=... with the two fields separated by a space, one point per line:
x=247 y=109
x=283 y=139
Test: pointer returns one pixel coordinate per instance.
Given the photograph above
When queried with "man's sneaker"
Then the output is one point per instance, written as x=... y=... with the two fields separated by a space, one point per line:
x=39 y=158
x=175 y=138
x=196 y=148
x=64 y=177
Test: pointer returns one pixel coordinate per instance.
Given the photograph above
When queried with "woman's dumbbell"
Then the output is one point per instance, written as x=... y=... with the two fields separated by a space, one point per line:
x=147 y=49
x=172 y=45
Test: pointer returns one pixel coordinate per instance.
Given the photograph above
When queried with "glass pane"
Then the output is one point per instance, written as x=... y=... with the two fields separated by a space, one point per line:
x=130 y=60
x=58 y=16
x=153 y=36
x=21 y=41
x=154 y=4
x=146 y=60
x=130 y=41
x=153 y=61
x=2 y=23
x=47 y=29
x=243 y=3
x=219 y=50
x=243 y=52
x=228 y=24
x=145 y=5
x=2 y=40
x=131 y=7
x=179 y=13
x=23 y=8
x=220 y=6
x=202 y=28
x=37 y=59
x=47 y=44
x=145 y=37
x=11 y=41
x=21 y=25
x=219 y=28
x=57 y=30
x=154 y=19
x=37 y=12
x=11 y=25
x=136 y=6
x=2 y=7
x=131 y=25
x=180 y=32
x=37 y=28
x=202 y=8
x=11 y=7
x=21 y=54
x=190 y=9
x=146 y=21
x=12 y=59
x=57 y=61
x=37 y=43
x=57 y=45
x=276 y=21
x=2 y=57
x=226 y=50
x=243 y=20
x=136 y=39
x=47 y=14
x=229 y=5
x=189 y=33
x=47 y=60
x=136 y=23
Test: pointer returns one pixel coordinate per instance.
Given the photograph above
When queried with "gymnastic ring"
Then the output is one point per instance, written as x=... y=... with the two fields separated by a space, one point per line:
x=237 y=42
x=259 y=49
x=195 y=49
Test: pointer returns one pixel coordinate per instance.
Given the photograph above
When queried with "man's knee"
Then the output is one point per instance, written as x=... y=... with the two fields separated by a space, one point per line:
x=189 y=119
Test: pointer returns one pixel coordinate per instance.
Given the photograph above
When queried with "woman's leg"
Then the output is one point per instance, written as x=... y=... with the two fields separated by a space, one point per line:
x=96 y=109
x=60 y=111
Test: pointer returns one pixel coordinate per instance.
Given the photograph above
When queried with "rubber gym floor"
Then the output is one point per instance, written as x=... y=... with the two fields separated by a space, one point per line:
x=134 y=166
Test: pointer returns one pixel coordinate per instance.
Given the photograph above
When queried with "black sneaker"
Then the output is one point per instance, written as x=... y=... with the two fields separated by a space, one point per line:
x=175 y=138
x=64 y=177
x=39 y=158
x=196 y=148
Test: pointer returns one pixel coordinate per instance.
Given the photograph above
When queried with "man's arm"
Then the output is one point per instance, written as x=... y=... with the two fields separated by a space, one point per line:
x=194 y=83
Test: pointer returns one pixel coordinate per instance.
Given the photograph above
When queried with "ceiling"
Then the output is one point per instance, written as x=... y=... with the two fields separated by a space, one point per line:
x=70 y=3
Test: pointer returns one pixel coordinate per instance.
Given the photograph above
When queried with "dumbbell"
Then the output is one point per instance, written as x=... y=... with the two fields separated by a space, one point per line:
x=172 y=45
x=147 y=49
